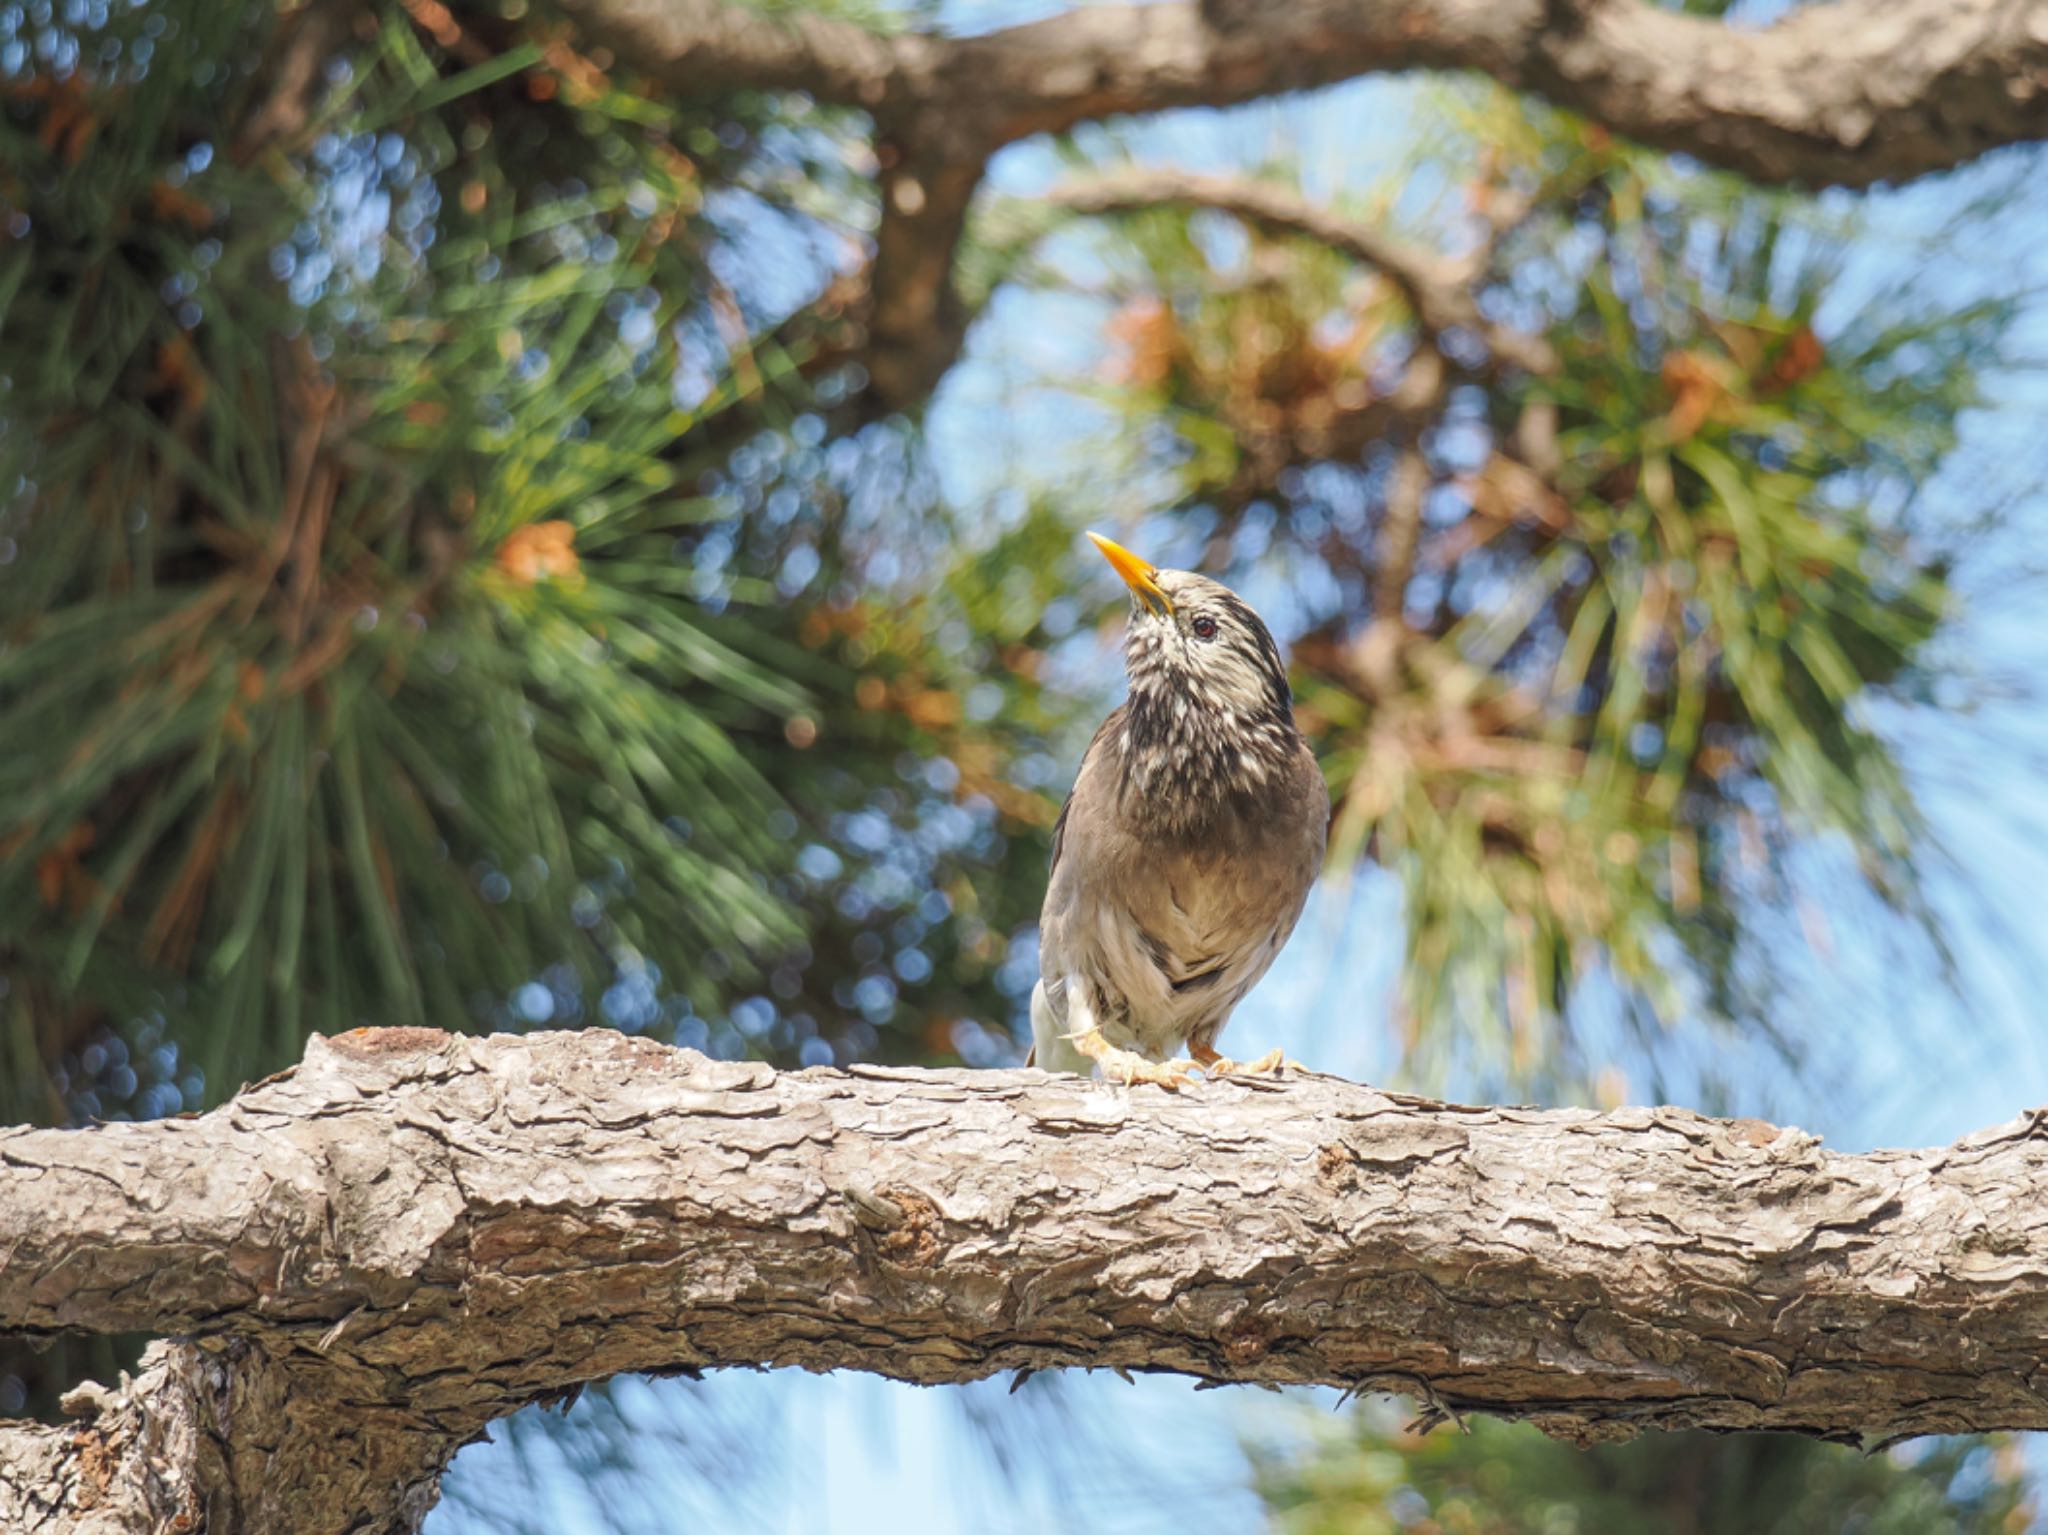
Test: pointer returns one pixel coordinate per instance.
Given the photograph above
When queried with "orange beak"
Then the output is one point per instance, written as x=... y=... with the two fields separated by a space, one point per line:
x=1138 y=575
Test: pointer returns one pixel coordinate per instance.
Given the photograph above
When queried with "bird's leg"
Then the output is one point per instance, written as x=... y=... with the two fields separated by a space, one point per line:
x=1273 y=1062
x=1086 y=1039
x=1127 y=1066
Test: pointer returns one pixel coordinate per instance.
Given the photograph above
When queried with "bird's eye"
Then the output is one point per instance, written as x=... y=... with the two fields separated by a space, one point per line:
x=1204 y=627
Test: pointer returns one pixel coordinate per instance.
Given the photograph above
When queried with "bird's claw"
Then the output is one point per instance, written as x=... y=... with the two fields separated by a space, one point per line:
x=1126 y=1068
x=1272 y=1063
x=1167 y=1074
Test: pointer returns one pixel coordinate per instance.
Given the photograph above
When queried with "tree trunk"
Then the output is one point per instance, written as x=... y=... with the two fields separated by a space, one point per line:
x=367 y=1259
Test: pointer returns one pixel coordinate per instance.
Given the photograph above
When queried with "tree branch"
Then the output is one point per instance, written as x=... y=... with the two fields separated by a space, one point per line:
x=1399 y=541
x=1849 y=92
x=302 y=42
x=706 y=48
x=414 y=1233
x=222 y=1438
x=1845 y=93
x=1439 y=294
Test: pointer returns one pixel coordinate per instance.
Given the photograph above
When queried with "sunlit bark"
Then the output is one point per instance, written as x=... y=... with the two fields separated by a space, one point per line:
x=371 y=1257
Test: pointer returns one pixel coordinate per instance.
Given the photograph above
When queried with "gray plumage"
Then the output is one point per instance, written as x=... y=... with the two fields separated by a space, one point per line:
x=1188 y=845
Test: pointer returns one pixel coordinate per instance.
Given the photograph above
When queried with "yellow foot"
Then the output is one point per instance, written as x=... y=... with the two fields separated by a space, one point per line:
x=1272 y=1063
x=1126 y=1066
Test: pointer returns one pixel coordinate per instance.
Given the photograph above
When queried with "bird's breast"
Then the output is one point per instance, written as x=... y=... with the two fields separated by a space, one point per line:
x=1184 y=933
x=1166 y=925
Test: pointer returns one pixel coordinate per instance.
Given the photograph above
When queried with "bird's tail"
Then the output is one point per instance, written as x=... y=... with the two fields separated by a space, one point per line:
x=1051 y=1050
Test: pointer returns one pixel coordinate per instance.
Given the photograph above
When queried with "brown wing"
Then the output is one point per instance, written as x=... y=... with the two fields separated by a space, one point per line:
x=1103 y=732
x=1109 y=727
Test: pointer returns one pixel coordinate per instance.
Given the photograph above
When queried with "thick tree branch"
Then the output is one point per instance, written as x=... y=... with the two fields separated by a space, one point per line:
x=227 y=1439
x=414 y=1233
x=707 y=48
x=1849 y=92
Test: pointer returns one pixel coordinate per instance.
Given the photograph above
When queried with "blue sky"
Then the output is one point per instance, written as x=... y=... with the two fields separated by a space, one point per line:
x=1897 y=1058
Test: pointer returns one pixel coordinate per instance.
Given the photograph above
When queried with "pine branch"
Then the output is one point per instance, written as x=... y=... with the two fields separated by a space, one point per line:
x=414 y=1233
x=1848 y=93
x=1439 y=292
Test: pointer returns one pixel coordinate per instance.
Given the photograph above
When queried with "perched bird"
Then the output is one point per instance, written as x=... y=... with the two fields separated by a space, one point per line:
x=1187 y=847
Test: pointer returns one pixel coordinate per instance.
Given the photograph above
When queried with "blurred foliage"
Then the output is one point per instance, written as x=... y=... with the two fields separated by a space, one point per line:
x=378 y=643
x=429 y=592
x=1589 y=655
x=493 y=614
x=736 y=1450
x=1361 y=1478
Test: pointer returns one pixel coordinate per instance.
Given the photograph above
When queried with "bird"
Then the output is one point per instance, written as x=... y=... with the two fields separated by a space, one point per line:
x=1185 y=851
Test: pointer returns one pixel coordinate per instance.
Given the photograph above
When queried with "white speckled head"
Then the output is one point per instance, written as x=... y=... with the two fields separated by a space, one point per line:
x=1207 y=647
x=1210 y=710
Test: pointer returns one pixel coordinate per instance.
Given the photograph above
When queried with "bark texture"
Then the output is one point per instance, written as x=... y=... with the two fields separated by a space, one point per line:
x=1849 y=92
x=367 y=1259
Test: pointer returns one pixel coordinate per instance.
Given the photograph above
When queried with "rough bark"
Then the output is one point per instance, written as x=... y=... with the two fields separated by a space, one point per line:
x=227 y=1438
x=1850 y=93
x=367 y=1259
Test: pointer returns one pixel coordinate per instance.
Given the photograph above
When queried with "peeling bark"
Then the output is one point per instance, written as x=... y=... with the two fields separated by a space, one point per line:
x=1849 y=93
x=367 y=1259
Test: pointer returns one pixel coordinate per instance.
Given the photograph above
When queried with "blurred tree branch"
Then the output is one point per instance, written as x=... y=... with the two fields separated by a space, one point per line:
x=1847 y=93
x=1440 y=292
x=291 y=76
x=370 y=1257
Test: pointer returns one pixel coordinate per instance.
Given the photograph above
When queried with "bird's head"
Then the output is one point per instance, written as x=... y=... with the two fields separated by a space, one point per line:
x=1197 y=639
x=1210 y=708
